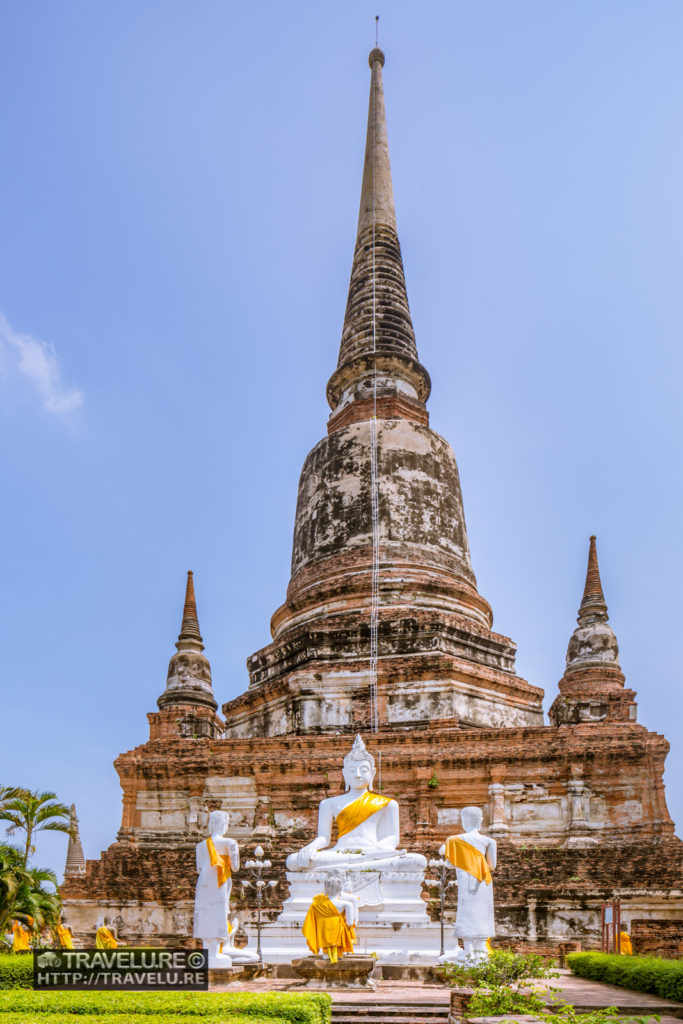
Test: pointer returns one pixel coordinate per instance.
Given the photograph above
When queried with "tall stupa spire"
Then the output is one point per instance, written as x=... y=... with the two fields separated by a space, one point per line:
x=189 y=671
x=377 y=190
x=382 y=623
x=378 y=336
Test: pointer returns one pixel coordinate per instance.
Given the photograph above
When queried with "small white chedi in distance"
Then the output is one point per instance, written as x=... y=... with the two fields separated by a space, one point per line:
x=474 y=856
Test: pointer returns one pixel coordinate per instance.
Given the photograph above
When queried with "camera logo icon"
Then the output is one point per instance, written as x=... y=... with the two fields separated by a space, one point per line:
x=48 y=960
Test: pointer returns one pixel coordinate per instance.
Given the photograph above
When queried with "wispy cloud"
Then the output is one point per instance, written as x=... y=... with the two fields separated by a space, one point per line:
x=38 y=363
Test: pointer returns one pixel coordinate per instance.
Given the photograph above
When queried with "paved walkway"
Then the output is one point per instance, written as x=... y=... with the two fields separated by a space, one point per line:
x=589 y=995
x=583 y=994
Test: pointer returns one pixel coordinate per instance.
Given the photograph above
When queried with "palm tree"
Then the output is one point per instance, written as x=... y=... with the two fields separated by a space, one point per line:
x=30 y=812
x=34 y=901
x=7 y=793
x=12 y=878
x=23 y=895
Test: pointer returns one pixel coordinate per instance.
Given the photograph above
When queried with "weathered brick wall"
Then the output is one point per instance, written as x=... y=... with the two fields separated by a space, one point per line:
x=658 y=938
x=287 y=778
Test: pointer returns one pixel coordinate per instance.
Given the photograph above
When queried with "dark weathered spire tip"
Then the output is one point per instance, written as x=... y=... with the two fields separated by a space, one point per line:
x=189 y=629
x=593 y=600
x=376 y=55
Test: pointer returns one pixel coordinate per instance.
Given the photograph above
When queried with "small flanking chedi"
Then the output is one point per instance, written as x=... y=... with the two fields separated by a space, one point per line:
x=576 y=805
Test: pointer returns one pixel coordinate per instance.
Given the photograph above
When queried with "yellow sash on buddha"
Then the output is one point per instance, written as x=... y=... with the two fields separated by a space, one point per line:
x=467 y=857
x=360 y=810
x=20 y=941
x=65 y=938
x=326 y=928
x=625 y=946
x=104 y=939
x=217 y=861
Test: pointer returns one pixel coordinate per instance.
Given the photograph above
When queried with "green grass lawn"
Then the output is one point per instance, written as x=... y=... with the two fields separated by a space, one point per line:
x=20 y=1005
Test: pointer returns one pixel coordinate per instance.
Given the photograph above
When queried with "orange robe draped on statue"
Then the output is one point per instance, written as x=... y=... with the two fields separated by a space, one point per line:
x=221 y=863
x=326 y=928
x=358 y=811
x=104 y=939
x=463 y=855
x=20 y=942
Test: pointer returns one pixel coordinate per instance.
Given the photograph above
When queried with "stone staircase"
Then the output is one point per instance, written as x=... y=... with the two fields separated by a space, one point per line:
x=370 y=1010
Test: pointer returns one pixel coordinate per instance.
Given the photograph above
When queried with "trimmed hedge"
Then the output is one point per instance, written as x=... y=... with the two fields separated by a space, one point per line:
x=215 y=1017
x=16 y=971
x=268 y=1007
x=640 y=973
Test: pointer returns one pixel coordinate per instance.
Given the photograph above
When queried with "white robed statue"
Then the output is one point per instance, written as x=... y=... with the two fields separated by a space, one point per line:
x=217 y=857
x=474 y=857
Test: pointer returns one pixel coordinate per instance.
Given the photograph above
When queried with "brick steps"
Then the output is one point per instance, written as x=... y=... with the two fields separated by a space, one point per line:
x=360 y=1016
x=422 y=1012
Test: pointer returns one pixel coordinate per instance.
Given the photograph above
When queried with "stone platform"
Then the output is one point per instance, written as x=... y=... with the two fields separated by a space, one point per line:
x=395 y=999
x=349 y=972
x=221 y=977
x=401 y=944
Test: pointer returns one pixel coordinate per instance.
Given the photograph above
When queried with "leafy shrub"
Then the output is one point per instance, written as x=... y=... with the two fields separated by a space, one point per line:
x=498 y=980
x=235 y=1007
x=639 y=973
x=499 y=969
x=566 y=1014
x=498 y=1001
x=16 y=971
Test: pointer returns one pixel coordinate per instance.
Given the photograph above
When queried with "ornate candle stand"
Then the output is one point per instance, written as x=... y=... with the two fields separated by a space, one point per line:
x=256 y=868
x=441 y=866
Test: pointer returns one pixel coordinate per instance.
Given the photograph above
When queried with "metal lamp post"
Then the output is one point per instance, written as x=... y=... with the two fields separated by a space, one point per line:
x=256 y=867
x=441 y=865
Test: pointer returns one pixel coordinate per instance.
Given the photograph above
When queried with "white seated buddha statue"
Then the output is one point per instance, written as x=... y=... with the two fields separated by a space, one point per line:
x=367 y=826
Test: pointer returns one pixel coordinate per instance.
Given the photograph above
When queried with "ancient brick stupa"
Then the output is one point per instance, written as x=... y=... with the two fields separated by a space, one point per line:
x=384 y=632
x=438 y=658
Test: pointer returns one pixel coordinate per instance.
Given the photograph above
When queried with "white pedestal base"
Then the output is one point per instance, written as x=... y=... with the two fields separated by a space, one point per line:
x=246 y=955
x=386 y=897
x=220 y=961
x=393 y=943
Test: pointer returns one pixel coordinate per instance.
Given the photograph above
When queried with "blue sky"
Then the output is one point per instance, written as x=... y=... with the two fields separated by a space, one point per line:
x=178 y=199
